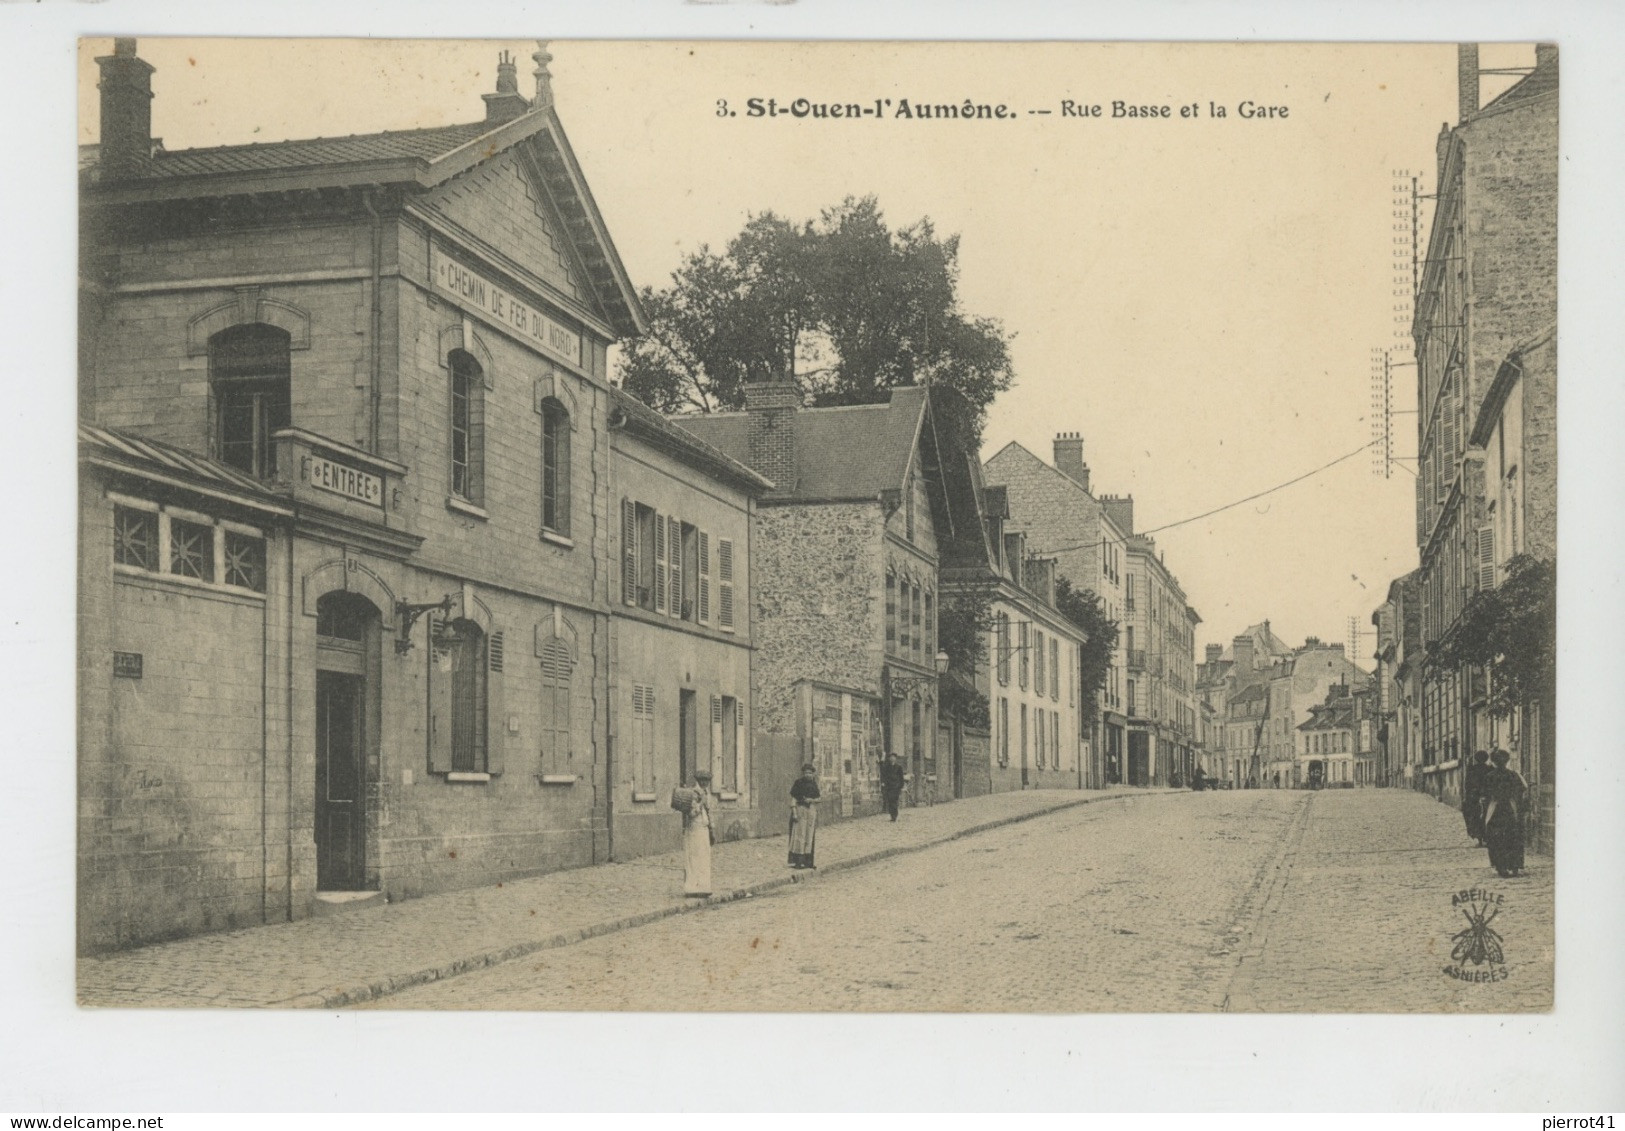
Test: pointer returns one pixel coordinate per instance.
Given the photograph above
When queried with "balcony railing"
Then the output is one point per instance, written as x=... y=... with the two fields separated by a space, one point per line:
x=1136 y=658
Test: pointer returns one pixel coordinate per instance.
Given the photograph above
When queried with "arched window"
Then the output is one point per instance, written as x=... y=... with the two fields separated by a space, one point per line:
x=249 y=378
x=555 y=467
x=556 y=670
x=467 y=427
x=458 y=696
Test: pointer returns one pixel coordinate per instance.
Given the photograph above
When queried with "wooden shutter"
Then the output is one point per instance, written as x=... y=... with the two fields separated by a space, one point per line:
x=496 y=720
x=725 y=584
x=714 y=764
x=1055 y=669
x=705 y=578
x=739 y=781
x=629 y=552
x=1486 y=557
x=660 y=563
x=440 y=698
x=674 y=553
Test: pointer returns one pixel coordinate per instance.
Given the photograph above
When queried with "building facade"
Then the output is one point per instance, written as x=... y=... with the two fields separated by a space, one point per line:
x=1036 y=741
x=681 y=635
x=870 y=504
x=351 y=552
x=1062 y=519
x=1399 y=726
x=1159 y=644
x=1488 y=286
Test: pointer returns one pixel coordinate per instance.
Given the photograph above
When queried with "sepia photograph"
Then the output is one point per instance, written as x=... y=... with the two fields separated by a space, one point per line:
x=857 y=527
x=877 y=521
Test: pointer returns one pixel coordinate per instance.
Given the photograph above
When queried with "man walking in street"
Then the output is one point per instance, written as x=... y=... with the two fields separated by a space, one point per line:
x=891 y=783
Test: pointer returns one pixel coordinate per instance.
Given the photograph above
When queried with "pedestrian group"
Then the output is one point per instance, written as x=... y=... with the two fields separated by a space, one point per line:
x=1494 y=805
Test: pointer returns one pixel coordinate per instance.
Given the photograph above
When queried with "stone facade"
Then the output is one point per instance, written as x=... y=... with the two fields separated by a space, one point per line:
x=435 y=492
x=1489 y=287
x=1063 y=520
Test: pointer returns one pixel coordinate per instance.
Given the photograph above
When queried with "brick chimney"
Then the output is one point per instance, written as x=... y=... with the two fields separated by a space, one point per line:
x=1215 y=653
x=1241 y=648
x=1069 y=458
x=1545 y=54
x=1466 y=79
x=1040 y=579
x=126 y=131
x=507 y=103
x=1120 y=508
x=771 y=406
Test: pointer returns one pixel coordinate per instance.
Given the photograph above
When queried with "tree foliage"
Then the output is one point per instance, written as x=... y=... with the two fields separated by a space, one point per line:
x=964 y=618
x=847 y=305
x=1084 y=608
x=1512 y=630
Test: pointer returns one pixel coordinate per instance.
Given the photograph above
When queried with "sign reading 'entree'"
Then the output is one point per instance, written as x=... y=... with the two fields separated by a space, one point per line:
x=347 y=481
x=502 y=308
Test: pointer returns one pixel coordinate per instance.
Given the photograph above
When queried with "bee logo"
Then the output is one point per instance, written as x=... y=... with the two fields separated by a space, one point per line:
x=1478 y=942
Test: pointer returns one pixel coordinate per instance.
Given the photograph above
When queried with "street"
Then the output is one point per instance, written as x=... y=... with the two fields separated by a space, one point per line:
x=1249 y=900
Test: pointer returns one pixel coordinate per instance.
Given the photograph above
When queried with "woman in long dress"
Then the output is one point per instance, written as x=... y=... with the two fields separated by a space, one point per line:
x=1503 y=816
x=694 y=803
x=803 y=817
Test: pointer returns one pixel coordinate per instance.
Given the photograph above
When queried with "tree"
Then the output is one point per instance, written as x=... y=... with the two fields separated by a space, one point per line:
x=964 y=618
x=845 y=305
x=1512 y=630
x=1084 y=609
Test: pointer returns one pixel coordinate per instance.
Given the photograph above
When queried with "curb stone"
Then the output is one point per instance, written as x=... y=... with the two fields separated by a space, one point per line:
x=375 y=989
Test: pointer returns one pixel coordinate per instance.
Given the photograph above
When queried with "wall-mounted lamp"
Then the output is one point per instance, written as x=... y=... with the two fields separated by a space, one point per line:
x=942 y=663
x=409 y=614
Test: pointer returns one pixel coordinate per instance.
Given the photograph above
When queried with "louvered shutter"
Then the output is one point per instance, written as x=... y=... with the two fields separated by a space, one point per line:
x=660 y=564
x=739 y=783
x=496 y=719
x=629 y=552
x=725 y=584
x=716 y=738
x=440 y=698
x=674 y=552
x=705 y=578
x=1486 y=557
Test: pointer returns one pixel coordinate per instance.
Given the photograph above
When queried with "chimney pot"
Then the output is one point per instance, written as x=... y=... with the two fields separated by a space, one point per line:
x=507 y=103
x=1069 y=458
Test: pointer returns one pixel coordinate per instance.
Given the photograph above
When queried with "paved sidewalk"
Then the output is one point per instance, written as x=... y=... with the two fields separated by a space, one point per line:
x=357 y=956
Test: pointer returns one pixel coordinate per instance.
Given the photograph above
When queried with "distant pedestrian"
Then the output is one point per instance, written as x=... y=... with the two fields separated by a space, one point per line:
x=1504 y=816
x=891 y=783
x=1198 y=780
x=1475 y=786
x=803 y=817
x=694 y=803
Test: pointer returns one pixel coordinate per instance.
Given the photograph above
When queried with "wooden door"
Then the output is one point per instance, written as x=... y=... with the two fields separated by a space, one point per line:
x=340 y=782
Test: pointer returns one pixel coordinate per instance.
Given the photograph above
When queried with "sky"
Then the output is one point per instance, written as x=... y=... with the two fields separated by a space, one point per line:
x=1199 y=296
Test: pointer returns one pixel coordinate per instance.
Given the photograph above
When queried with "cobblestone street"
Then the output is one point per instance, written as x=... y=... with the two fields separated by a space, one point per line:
x=1334 y=901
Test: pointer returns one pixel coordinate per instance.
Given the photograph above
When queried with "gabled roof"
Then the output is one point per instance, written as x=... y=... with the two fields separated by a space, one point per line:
x=411 y=160
x=121 y=451
x=843 y=454
x=647 y=424
x=1541 y=80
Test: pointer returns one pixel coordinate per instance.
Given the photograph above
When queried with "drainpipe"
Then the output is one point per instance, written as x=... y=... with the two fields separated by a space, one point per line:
x=287 y=722
x=375 y=393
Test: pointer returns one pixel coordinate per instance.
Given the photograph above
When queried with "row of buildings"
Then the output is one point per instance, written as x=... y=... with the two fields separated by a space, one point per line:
x=1484 y=331
x=385 y=588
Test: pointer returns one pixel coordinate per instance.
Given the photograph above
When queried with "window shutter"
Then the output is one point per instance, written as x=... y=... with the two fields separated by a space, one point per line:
x=725 y=584
x=440 y=695
x=739 y=782
x=1486 y=557
x=705 y=578
x=1054 y=669
x=629 y=552
x=660 y=564
x=496 y=719
x=674 y=551
x=716 y=738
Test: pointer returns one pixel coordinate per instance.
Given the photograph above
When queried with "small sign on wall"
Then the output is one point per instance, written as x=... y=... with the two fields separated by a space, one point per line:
x=127 y=665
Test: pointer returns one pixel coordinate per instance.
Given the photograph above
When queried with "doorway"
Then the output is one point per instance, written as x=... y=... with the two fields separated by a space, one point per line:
x=347 y=677
x=340 y=795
